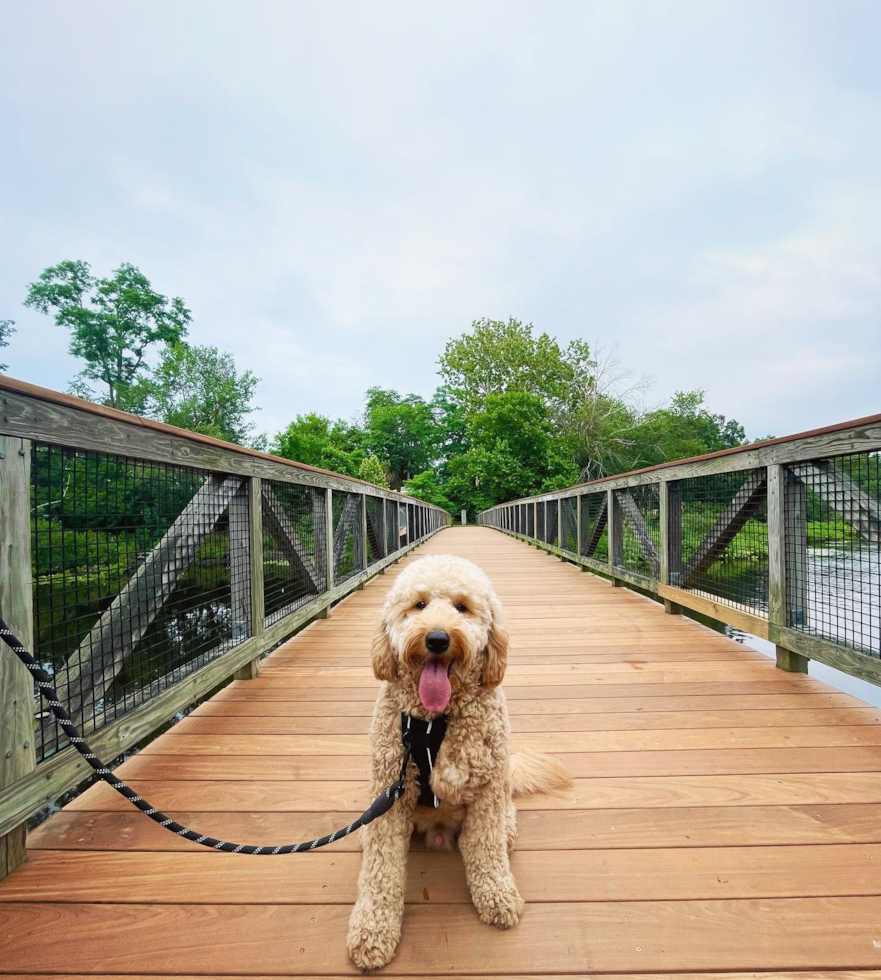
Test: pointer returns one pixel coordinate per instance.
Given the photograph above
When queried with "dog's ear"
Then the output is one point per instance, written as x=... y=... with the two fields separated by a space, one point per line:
x=495 y=654
x=382 y=655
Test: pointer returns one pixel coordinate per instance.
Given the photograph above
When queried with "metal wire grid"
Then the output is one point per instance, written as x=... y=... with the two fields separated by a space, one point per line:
x=569 y=524
x=375 y=549
x=111 y=639
x=640 y=529
x=594 y=535
x=540 y=521
x=833 y=549
x=294 y=554
x=348 y=557
x=550 y=521
x=411 y=522
x=392 y=533
x=530 y=520
x=724 y=537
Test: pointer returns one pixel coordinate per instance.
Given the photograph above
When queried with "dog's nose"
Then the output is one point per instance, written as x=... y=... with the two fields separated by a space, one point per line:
x=437 y=641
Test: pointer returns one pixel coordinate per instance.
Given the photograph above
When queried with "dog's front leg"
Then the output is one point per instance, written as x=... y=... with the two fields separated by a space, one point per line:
x=484 y=847
x=375 y=924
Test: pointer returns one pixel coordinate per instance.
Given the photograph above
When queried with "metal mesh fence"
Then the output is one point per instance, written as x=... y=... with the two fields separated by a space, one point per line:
x=411 y=523
x=348 y=557
x=392 y=534
x=540 y=521
x=141 y=576
x=375 y=530
x=594 y=536
x=294 y=561
x=569 y=524
x=550 y=521
x=724 y=538
x=530 y=520
x=640 y=529
x=833 y=549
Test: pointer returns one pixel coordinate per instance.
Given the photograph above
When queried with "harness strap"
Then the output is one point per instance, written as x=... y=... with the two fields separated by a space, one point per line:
x=382 y=804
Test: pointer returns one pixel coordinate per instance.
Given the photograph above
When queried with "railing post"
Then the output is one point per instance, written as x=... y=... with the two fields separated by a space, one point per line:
x=246 y=551
x=670 y=520
x=328 y=546
x=615 y=528
x=778 y=614
x=365 y=551
x=560 y=525
x=17 y=754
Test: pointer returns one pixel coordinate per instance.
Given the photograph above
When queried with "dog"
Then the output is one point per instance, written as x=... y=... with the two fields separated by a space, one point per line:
x=441 y=648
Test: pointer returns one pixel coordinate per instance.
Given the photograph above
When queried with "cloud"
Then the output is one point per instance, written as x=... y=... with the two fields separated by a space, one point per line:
x=337 y=191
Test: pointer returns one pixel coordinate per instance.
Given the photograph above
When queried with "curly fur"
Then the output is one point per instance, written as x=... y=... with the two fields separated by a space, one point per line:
x=474 y=776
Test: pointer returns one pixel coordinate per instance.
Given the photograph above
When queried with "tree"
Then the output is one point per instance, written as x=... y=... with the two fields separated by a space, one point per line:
x=113 y=323
x=429 y=487
x=199 y=388
x=500 y=356
x=373 y=470
x=316 y=441
x=512 y=453
x=400 y=430
x=7 y=328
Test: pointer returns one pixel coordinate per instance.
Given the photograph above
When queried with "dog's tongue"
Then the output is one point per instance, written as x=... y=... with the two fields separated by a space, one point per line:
x=434 y=687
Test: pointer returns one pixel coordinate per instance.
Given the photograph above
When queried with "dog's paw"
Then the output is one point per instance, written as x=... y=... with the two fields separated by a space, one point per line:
x=373 y=937
x=501 y=907
x=449 y=783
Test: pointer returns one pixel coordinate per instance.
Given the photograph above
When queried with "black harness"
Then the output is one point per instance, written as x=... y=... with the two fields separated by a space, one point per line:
x=422 y=742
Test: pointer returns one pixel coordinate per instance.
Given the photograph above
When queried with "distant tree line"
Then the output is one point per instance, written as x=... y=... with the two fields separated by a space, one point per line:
x=515 y=413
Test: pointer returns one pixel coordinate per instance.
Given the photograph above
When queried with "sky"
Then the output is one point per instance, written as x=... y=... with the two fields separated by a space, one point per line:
x=337 y=189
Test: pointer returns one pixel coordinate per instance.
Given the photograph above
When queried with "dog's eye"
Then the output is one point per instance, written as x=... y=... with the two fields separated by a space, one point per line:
x=420 y=605
x=461 y=607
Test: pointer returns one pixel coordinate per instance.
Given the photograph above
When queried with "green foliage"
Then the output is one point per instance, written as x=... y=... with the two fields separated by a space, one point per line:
x=114 y=323
x=500 y=356
x=427 y=486
x=373 y=471
x=316 y=441
x=199 y=388
x=512 y=452
x=7 y=328
x=402 y=431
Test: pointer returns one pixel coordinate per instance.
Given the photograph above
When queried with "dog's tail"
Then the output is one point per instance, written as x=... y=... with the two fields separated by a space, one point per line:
x=535 y=772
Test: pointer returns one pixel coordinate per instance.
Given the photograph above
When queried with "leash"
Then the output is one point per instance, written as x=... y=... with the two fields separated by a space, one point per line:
x=383 y=803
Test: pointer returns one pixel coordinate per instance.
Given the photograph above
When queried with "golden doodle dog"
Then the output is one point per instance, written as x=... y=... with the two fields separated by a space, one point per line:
x=441 y=648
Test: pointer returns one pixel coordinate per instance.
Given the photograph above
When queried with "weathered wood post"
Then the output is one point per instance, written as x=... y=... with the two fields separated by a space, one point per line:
x=365 y=550
x=328 y=547
x=780 y=511
x=17 y=754
x=615 y=528
x=246 y=556
x=670 y=519
x=384 y=533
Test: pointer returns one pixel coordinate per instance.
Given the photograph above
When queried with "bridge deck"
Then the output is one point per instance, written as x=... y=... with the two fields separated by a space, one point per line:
x=726 y=816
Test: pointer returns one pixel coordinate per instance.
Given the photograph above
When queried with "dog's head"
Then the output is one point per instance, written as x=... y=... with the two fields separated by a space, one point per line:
x=441 y=631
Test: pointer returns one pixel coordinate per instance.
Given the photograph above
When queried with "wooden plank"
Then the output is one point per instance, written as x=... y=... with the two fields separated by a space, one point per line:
x=623 y=936
x=600 y=793
x=538 y=830
x=863 y=665
x=600 y=875
x=724 y=612
x=589 y=765
x=102 y=653
x=17 y=755
x=317 y=727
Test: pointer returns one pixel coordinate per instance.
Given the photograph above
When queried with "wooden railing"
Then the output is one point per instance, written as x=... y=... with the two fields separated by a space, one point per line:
x=779 y=539
x=145 y=565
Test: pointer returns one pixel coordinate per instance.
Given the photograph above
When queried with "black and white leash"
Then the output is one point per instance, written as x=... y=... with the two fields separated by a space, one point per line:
x=380 y=805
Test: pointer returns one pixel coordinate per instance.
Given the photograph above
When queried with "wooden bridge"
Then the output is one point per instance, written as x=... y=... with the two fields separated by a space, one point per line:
x=726 y=816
